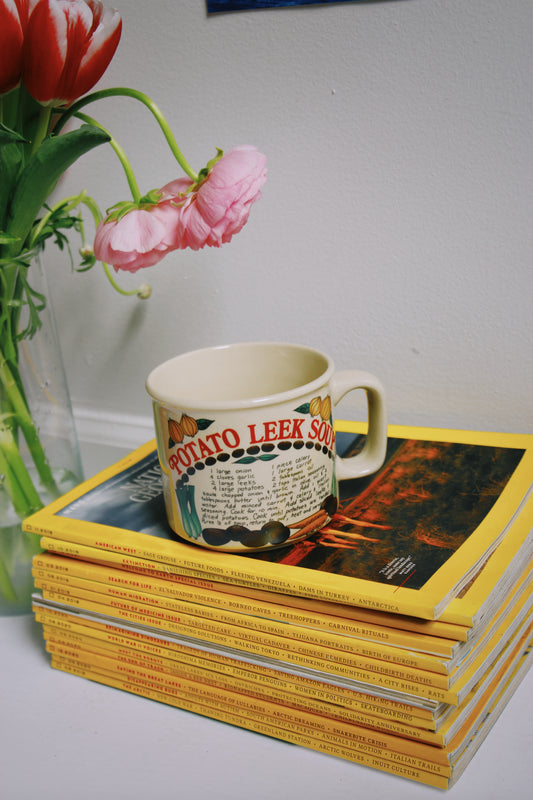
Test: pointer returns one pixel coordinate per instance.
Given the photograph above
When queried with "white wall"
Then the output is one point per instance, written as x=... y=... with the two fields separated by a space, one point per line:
x=395 y=230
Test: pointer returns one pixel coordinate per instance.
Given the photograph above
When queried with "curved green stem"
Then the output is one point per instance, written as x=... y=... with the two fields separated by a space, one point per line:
x=140 y=292
x=142 y=98
x=122 y=157
x=42 y=128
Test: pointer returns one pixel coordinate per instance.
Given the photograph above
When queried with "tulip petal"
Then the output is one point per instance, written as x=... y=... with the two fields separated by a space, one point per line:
x=11 y=40
x=102 y=46
x=45 y=50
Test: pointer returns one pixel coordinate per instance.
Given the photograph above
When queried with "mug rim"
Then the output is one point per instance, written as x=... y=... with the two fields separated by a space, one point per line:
x=174 y=401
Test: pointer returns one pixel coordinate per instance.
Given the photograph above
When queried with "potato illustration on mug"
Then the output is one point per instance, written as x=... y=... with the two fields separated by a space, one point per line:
x=246 y=442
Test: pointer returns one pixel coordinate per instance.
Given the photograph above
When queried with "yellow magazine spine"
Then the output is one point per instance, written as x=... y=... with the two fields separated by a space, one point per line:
x=485 y=696
x=367 y=671
x=263 y=632
x=240 y=680
x=140 y=566
x=270 y=576
x=279 y=691
x=516 y=549
x=369 y=705
x=374 y=705
x=470 y=715
x=491 y=645
x=262 y=727
x=315 y=637
x=431 y=647
x=431 y=759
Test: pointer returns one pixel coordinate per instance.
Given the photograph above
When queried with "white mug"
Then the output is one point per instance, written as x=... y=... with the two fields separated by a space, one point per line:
x=246 y=442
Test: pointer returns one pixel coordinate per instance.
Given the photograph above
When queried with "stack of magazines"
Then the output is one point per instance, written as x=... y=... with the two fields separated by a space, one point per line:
x=392 y=638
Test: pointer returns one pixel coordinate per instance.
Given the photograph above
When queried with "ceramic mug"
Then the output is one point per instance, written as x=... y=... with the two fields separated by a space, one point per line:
x=246 y=442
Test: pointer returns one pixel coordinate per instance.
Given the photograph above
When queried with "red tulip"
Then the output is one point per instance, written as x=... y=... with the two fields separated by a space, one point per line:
x=67 y=47
x=13 y=19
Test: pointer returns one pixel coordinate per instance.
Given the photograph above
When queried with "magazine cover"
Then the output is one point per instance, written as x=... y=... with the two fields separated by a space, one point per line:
x=405 y=540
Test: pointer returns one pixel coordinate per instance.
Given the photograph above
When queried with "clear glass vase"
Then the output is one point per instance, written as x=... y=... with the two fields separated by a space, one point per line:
x=39 y=453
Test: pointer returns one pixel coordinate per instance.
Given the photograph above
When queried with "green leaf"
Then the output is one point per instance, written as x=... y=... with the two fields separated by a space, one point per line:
x=10 y=162
x=8 y=136
x=203 y=424
x=43 y=170
x=6 y=238
x=210 y=164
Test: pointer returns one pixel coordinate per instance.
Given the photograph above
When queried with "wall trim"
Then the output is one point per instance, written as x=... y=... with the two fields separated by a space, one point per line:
x=108 y=428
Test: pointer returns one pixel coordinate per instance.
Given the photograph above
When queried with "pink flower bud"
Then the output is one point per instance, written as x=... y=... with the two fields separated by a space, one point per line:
x=140 y=238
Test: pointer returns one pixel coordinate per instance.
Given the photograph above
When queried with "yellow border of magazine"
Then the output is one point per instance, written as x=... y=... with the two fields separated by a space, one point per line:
x=505 y=521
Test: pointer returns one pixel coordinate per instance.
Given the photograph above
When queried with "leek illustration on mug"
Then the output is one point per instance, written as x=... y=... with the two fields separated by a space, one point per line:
x=246 y=442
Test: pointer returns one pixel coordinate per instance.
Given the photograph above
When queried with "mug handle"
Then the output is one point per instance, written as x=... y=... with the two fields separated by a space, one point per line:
x=372 y=456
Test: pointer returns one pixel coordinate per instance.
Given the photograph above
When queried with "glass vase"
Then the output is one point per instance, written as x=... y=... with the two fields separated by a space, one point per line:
x=39 y=452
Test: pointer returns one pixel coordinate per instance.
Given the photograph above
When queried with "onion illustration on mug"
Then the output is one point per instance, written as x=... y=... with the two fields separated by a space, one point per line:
x=246 y=442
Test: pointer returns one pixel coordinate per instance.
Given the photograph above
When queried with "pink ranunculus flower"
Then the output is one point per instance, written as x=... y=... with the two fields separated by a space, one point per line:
x=140 y=238
x=68 y=45
x=219 y=208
